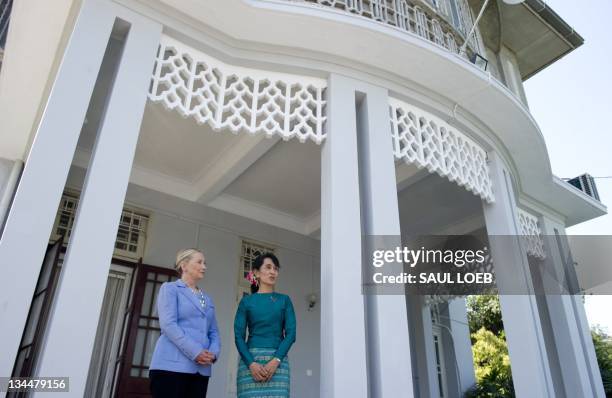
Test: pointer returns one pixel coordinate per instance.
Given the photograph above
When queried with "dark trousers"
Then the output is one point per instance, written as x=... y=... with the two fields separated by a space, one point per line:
x=166 y=384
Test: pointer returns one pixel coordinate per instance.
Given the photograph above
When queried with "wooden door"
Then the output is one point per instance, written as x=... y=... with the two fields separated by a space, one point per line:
x=143 y=331
x=38 y=316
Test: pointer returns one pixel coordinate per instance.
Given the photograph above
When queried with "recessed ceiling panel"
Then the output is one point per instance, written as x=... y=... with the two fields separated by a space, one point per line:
x=286 y=178
x=176 y=146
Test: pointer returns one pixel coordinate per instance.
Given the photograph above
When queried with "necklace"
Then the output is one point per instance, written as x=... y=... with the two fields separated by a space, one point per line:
x=200 y=295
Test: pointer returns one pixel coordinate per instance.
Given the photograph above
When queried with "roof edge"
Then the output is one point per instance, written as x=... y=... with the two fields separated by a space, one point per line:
x=549 y=16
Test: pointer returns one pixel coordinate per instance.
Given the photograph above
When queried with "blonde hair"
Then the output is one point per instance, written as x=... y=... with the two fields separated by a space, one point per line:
x=184 y=255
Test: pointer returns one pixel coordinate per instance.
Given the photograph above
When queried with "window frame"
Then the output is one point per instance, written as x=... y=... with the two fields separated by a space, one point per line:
x=143 y=217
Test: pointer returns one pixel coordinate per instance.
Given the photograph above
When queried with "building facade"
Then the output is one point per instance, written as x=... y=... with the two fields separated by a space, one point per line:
x=131 y=129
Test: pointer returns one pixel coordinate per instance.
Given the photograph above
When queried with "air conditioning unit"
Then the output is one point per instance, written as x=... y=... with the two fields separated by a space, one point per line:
x=585 y=183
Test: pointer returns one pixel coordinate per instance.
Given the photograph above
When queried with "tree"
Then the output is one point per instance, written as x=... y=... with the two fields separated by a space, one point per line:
x=484 y=312
x=491 y=361
x=489 y=348
x=603 y=350
x=492 y=366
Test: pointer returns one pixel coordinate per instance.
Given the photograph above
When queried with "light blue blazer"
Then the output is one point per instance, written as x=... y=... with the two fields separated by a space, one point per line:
x=186 y=330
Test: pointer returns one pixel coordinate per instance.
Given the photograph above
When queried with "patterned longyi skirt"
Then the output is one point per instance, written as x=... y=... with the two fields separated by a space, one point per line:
x=276 y=387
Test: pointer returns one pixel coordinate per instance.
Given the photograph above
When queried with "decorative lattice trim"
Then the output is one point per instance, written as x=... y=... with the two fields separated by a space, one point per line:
x=427 y=141
x=239 y=99
x=531 y=234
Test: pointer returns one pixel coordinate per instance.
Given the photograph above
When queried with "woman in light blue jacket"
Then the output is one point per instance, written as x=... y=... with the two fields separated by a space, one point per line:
x=189 y=343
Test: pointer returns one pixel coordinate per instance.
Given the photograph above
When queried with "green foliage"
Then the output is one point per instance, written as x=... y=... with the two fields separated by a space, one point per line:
x=492 y=366
x=491 y=360
x=484 y=312
x=603 y=350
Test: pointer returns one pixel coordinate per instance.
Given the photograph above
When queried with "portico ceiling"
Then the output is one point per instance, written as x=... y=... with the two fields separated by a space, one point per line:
x=263 y=178
x=177 y=147
x=434 y=206
x=287 y=178
x=267 y=179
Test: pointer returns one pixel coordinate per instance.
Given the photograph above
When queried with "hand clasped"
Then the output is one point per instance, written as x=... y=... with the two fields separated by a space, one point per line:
x=205 y=358
x=263 y=373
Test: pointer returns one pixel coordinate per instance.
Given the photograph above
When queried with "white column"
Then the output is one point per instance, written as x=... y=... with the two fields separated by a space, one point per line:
x=73 y=323
x=572 y=336
x=528 y=358
x=343 y=352
x=30 y=219
x=588 y=349
x=387 y=317
x=462 y=344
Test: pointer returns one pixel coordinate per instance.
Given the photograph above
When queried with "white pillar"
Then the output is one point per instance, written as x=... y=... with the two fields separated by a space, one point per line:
x=30 y=219
x=462 y=344
x=572 y=336
x=587 y=346
x=343 y=352
x=387 y=317
x=528 y=358
x=86 y=265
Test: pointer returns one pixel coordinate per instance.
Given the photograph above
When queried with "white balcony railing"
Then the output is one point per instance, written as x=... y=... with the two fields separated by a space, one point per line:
x=448 y=30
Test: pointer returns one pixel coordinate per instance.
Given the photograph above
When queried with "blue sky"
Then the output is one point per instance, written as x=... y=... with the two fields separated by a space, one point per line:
x=572 y=102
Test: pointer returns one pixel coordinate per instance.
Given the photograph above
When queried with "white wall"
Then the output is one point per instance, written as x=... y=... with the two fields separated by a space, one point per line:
x=37 y=35
x=493 y=65
x=176 y=224
x=512 y=73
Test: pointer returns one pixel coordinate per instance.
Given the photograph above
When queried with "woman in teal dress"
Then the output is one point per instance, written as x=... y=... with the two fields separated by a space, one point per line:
x=263 y=370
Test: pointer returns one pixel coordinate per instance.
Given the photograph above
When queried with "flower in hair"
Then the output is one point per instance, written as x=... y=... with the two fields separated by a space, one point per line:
x=251 y=278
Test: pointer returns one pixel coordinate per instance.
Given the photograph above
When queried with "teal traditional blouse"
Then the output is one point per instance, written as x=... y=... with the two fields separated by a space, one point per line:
x=271 y=322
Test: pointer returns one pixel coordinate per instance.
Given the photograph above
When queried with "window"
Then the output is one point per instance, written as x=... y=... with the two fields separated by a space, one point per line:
x=5 y=17
x=131 y=233
x=455 y=15
x=248 y=253
x=437 y=337
x=435 y=314
x=458 y=14
x=438 y=351
x=32 y=338
x=65 y=217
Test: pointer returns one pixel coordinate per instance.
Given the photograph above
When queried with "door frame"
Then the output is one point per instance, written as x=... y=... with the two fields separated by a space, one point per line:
x=232 y=367
x=122 y=372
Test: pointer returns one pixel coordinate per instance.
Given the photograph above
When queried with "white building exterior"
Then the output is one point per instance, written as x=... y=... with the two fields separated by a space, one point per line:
x=294 y=126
